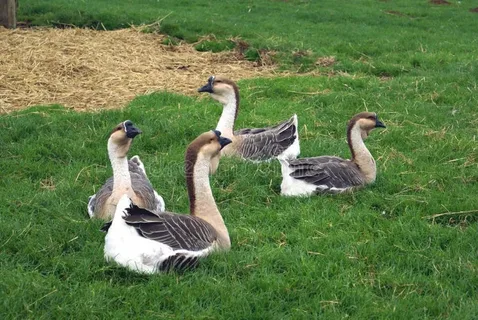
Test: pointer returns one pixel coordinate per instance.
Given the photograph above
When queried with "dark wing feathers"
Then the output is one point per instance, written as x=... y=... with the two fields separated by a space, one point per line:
x=133 y=167
x=177 y=231
x=267 y=143
x=106 y=226
x=178 y=262
x=249 y=131
x=277 y=127
x=332 y=172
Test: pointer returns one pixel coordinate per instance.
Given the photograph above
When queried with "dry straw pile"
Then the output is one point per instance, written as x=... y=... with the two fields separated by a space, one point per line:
x=88 y=69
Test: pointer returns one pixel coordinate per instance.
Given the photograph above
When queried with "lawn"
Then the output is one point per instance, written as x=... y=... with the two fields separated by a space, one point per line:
x=384 y=252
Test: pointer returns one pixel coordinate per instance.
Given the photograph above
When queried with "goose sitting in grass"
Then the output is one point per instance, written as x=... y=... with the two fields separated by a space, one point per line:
x=128 y=177
x=327 y=174
x=146 y=242
x=258 y=144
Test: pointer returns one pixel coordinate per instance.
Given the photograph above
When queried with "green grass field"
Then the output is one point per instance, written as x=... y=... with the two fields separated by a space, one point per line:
x=374 y=254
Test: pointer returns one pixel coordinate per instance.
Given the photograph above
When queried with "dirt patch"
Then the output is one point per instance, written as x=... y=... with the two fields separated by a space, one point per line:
x=475 y=10
x=325 y=61
x=440 y=2
x=88 y=69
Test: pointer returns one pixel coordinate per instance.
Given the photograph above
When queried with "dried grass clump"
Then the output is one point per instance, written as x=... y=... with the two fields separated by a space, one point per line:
x=325 y=61
x=88 y=69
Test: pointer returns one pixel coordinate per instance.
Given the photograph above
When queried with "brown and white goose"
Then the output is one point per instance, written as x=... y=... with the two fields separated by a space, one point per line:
x=146 y=242
x=327 y=174
x=128 y=177
x=257 y=144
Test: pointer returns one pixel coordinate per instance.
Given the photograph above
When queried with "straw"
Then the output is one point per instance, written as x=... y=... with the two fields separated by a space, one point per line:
x=88 y=69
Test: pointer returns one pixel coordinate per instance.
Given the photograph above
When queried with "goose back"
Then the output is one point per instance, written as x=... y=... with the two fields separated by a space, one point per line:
x=328 y=174
x=183 y=238
x=261 y=144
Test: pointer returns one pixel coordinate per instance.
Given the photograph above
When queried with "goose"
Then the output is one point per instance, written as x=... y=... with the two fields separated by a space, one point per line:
x=328 y=174
x=128 y=177
x=148 y=243
x=257 y=144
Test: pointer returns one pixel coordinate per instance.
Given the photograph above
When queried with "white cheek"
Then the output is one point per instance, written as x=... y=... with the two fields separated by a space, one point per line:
x=219 y=97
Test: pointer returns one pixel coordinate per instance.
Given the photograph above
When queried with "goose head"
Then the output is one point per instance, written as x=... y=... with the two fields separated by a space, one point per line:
x=121 y=137
x=366 y=121
x=221 y=89
x=207 y=147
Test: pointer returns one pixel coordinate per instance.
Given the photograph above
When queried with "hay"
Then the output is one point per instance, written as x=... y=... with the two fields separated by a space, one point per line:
x=88 y=69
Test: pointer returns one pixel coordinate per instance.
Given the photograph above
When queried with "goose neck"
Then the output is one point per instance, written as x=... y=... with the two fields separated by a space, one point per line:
x=201 y=199
x=119 y=163
x=360 y=154
x=228 y=117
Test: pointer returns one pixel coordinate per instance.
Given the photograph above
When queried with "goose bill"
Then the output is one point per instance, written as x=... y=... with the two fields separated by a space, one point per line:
x=131 y=130
x=208 y=87
x=224 y=141
x=379 y=124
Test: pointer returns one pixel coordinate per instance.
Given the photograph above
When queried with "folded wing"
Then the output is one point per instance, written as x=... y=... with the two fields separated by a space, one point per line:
x=327 y=173
x=266 y=143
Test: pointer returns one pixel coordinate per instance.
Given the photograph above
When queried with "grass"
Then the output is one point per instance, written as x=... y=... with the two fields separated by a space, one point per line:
x=374 y=254
x=375 y=37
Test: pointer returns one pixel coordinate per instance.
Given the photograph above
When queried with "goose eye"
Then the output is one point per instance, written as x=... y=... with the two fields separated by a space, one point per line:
x=371 y=118
x=118 y=128
x=211 y=140
x=218 y=81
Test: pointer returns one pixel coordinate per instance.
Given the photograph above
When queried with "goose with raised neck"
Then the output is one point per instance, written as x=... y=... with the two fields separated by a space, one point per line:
x=129 y=177
x=147 y=243
x=329 y=174
x=257 y=144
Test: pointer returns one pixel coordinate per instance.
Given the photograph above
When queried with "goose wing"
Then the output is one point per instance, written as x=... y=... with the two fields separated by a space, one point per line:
x=142 y=186
x=327 y=172
x=143 y=189
x=278 y=127
x=98 y=200
x=136 y=165
x=180 y=232
x=266 y=143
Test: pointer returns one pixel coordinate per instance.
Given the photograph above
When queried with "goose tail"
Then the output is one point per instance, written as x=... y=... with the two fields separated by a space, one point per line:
x=284 y=164
x=161 y=206
x=293 y=151
x=91 y=206
x=136 y=160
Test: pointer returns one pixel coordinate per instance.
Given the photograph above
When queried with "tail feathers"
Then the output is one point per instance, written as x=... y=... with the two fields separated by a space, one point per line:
x=106 y=226
x=285 y=125
x=137 y=161
x=161 y=206
x=283 y=162
x=293 y=150
x=91 y=206
x=179 y=262
x=284 y=166
x=295 y=120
